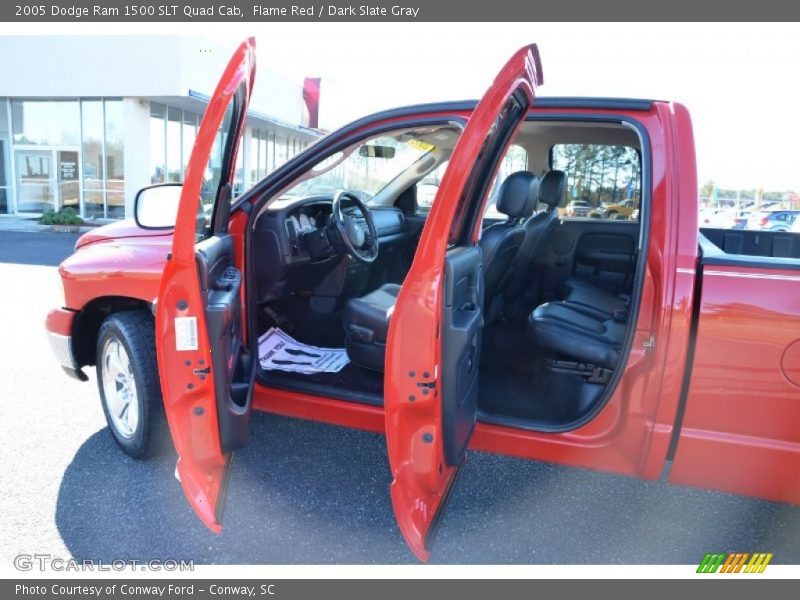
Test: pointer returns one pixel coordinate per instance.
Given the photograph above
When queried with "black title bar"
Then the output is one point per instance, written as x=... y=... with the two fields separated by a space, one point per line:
x=388 y=11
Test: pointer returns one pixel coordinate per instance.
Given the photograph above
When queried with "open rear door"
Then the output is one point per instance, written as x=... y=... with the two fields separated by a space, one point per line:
x=205 y=368
x=431 y=381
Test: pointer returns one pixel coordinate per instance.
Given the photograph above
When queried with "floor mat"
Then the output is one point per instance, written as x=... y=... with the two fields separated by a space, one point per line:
x=278 y=351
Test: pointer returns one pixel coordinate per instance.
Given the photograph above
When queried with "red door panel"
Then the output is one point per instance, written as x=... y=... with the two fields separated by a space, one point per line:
x=194 y=384
x=421 y=458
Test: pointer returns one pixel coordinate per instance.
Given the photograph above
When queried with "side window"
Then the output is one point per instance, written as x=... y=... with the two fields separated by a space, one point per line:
x=218 y=170
x=516 y=159
x=603 y=182
x=428 y=186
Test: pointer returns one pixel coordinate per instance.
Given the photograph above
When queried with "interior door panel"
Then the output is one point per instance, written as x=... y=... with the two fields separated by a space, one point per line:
x=462 y=324
x=593 y=249
x=232 y=362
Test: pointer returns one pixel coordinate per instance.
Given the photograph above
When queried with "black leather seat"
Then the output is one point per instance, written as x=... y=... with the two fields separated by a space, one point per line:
x=501 y=242
x=562 y=329
x=552 y=188
x=366 y=325
x=596 y=298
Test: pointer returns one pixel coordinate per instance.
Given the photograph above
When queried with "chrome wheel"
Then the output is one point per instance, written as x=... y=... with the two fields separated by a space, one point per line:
x=119 y=387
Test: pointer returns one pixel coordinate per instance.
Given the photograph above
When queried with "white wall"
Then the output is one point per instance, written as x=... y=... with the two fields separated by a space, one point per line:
x=126 y=66
x=137 y=148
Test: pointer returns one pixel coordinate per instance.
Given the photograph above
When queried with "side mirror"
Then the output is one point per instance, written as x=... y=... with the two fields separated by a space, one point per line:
x=156 y=206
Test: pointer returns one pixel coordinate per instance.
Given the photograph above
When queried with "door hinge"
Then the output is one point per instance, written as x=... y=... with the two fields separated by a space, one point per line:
x=650 y=343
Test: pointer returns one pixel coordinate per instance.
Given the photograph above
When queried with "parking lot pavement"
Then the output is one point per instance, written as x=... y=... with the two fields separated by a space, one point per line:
x=304 y=492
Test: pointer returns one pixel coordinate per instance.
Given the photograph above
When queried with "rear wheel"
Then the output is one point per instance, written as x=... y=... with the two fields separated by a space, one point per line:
x=127 y=377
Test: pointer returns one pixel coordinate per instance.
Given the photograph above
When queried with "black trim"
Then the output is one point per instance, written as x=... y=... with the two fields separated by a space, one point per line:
x=687 y=370
x=713 y=255
x=644 y=243
x=628 y=104
x=430 y=535
x=222 y=496
x=75 y=373
x=267 y=378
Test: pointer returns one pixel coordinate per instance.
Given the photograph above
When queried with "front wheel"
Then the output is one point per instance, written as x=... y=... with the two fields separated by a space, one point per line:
x=127 y=377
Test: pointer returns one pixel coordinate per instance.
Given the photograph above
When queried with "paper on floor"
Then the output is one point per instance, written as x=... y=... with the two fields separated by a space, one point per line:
x=278 y=350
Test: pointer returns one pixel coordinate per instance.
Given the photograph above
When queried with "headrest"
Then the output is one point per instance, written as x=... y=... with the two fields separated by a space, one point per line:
x=552 y=188
x=517 y=196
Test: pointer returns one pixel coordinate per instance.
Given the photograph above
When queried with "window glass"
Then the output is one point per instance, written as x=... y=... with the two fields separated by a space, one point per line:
x=428 y=186
x=252 y=157
x=3 y=179
x=603 y=181
x=188 y=136
x=46 y=122
x=516 y=159
x=238 y=176
x=174 y=145
x=93 y=164
x=365 y=169
x=281 y=150
x=157 y=142
x=213 y=173
x=263 y=165
x=4 y=157
x=115 y=160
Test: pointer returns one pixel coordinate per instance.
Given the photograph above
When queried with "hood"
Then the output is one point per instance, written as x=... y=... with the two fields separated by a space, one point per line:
x=121 y=229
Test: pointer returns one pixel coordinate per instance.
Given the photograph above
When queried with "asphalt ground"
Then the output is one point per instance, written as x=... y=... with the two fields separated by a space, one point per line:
x=305 y=492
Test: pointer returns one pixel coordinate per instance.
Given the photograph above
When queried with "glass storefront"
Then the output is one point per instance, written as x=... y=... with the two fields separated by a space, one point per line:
x=172 y=135
x=66 y=153
x=5 y=192
x=71 y=153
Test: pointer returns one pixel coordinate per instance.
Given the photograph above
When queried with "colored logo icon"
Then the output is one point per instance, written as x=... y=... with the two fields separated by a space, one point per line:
x=734 y=562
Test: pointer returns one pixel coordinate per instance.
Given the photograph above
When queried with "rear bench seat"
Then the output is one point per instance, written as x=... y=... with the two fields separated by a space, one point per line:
x=594 y=296
x=587 y=326
x=564 y=329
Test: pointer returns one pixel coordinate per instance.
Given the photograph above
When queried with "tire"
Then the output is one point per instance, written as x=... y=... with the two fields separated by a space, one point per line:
x=127 y=378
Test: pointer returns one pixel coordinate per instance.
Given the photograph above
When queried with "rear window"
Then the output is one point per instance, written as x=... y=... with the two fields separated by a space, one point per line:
x=603 y=181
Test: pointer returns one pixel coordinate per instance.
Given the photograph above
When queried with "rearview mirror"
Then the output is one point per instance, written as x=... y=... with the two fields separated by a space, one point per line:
x=371 y=151
x=156 y=206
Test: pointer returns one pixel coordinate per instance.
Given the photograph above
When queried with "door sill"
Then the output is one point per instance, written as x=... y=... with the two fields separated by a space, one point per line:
x=522 y=423
x=291 y=384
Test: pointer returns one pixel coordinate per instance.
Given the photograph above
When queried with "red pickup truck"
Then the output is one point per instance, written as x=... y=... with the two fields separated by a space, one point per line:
x=476 y=318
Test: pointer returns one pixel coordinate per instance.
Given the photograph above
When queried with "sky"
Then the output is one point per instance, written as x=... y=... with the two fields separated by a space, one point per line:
x=740 y=82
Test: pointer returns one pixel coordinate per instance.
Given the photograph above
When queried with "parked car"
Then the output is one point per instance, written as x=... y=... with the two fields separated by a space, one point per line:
x=393 y=315
x=578 y=208
x=624 y=209
x=735 y=219
x=779 y=220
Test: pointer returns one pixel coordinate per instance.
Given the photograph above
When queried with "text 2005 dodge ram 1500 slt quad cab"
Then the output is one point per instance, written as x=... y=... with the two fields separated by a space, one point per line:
x=422 y=255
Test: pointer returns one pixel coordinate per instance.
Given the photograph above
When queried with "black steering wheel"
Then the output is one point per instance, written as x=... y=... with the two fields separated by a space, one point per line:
x=358 y=235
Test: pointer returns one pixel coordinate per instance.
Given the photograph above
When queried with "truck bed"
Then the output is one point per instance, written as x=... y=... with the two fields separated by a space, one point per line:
x=768 y=249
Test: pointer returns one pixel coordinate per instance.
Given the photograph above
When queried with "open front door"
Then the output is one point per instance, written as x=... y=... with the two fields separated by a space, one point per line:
x=205 y=368
x=431 y=376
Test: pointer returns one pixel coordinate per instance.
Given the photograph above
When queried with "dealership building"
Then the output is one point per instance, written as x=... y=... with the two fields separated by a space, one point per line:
x=87 y=121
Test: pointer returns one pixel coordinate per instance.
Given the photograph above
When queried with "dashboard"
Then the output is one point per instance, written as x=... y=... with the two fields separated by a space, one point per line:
x=308 y=218
x=291 y=252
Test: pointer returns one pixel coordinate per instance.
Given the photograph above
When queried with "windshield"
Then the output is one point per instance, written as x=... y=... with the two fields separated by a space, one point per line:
x=365 y=169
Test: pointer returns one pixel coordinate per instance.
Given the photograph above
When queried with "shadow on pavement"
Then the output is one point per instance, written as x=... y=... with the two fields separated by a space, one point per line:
x=36 y=248
x=304 y=492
